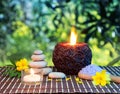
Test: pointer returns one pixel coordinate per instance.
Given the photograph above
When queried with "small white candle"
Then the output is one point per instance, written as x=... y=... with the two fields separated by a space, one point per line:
x=32 y=77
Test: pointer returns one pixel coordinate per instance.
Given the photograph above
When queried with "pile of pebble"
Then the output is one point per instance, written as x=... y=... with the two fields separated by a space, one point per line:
x=39 y=64
x=91 y=70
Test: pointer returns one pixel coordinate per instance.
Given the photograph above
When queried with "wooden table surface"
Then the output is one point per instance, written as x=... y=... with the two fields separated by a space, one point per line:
x=14 y=85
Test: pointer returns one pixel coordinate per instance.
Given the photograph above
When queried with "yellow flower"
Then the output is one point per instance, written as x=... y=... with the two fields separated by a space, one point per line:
x=25 y=67
x=18 y=63
x=78 y=80
x=22 y=64
x=58 y=80
x=101 y=78
x=18 y=68
x=67 y=79
x=49 y=79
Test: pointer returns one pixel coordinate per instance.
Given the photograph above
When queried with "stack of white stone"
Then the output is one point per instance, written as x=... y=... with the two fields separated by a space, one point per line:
x=38 y=63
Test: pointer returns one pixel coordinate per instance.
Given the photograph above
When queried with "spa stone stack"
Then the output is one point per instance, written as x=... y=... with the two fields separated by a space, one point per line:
x=38 y=63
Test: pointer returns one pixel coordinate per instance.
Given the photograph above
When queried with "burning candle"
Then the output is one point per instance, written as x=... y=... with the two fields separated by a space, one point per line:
x=71 y=57
x=32 y=78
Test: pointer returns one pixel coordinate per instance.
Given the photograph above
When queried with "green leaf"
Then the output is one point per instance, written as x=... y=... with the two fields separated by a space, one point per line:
x=12 y=72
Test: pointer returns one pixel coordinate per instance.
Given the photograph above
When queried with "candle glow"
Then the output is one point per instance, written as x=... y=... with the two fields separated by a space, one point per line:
x=73 y=36
x=32 y=78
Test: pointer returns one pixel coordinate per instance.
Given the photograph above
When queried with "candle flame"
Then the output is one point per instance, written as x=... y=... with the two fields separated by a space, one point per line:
x=73 y=36
x=31 y=71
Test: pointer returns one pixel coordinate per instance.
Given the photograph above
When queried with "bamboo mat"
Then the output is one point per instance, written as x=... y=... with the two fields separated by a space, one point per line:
x=14 y=85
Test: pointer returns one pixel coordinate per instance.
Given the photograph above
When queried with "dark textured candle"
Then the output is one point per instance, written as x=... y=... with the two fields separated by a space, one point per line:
x=70 y=59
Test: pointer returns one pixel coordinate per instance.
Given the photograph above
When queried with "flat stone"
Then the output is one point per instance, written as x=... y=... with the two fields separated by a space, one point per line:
x=45 y=71
x=38 y=52
x=38 y=64
x=38 y=57
x=56 y=75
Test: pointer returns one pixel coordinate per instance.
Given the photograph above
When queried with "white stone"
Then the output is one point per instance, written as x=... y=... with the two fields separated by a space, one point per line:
x=56 y=75
x=38 y=52
x=38 y=64
x=38 y=57
x=45 y=71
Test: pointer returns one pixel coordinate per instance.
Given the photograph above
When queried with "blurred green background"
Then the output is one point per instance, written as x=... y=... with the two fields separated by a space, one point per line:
x=27 y=25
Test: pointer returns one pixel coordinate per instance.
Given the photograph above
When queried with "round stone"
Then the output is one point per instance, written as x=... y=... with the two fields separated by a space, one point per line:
x=38 y=64
x=45 y=71
x=91 y=70
x=38 y=52
x=56 y=75
x=38 y=57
